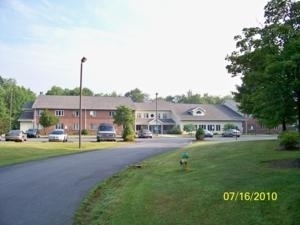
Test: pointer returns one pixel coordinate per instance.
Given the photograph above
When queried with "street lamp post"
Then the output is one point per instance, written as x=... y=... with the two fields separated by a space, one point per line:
x=156 y=127
x=80 y=95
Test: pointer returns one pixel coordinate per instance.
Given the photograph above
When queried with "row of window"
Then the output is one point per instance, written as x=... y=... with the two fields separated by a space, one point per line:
x=60 y=112
x=210 y=127
x=152 y=115
x=75 y=126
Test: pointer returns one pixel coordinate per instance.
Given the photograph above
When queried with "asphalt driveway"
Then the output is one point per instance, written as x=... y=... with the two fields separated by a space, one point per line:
x=47 y=192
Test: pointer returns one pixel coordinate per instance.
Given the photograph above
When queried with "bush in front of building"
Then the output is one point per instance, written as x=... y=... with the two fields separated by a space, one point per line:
x=200 y=134
x=289 y=140
x=128 y=133
x=175 y=130
x=84 y=132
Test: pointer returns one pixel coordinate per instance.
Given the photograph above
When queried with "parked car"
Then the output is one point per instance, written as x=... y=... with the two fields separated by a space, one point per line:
x=106 y=132
x=145 y=133
x=58 y=135
x=231 y=133
x=208 y=133
x=33 y=133
x=15 y=135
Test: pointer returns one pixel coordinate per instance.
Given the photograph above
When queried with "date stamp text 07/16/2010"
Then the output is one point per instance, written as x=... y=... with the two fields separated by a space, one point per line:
x=254 y=196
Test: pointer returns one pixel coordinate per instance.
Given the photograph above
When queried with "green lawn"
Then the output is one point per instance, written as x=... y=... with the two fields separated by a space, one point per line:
x=17 y=152
x=162 y=193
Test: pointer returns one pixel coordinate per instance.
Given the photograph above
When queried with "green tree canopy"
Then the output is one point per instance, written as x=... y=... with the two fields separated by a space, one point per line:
x=195 y=98
x=48 y=119
x=137 y=95
x=125 y=116
x=56 y=90
x=12 y=99
x=267 y=59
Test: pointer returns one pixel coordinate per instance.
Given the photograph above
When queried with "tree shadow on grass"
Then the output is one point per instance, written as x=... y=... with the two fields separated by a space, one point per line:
x=284 y=163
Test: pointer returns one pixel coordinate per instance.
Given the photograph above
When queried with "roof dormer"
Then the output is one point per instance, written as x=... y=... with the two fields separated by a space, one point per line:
x=197 y=111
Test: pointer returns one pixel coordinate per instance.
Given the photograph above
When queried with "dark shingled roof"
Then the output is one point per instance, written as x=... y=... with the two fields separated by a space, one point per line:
x=88 y=102
x=211 y=112
x=26 y=115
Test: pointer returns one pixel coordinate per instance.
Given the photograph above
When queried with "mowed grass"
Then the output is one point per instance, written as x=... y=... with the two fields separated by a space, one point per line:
x=162 y=193
x=17 y=152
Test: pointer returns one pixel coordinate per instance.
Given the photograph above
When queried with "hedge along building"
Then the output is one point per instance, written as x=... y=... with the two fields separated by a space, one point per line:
x=158 y=116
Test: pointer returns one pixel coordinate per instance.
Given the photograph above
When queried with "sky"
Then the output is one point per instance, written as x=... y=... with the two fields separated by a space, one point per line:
x=158 y=46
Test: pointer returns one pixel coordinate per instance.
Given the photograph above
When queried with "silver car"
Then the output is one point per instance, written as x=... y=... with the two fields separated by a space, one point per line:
x=15 y=135
x=58 y=135
x=231 y=133
x=106 y=132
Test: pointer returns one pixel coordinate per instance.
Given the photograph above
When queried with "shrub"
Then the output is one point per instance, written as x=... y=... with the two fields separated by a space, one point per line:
x=200 y=134
x=84 y=132
x=189 y=128
x=175 y=130
x=128 y=133
x=289 y=140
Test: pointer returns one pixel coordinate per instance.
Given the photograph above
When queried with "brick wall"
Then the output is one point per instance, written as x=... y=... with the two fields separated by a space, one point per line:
x=90 y=120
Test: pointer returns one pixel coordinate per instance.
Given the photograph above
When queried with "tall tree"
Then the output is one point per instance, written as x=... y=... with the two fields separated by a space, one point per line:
x=12 y=100
x=124 y=116
x=48 y=119
x=137 y=95
x=268 y=63
x=56 y=90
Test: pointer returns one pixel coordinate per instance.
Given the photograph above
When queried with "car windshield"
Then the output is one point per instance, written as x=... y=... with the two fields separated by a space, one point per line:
x=106 y=128
x=57 y=132
x=14 y=132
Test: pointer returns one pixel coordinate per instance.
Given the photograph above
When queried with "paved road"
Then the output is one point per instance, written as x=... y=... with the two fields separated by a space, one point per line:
x=48 y=192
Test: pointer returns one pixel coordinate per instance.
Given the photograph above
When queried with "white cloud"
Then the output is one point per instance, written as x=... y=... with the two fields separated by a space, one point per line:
x=167 y=47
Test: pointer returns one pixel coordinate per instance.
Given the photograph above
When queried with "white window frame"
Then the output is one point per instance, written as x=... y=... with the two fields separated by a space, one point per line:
x=59 y=112
x=111 y=113
x=60 y=126
x=93 y=113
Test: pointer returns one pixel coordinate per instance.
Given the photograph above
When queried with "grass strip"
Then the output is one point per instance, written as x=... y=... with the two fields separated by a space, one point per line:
x=162 y=193
x=18 y=152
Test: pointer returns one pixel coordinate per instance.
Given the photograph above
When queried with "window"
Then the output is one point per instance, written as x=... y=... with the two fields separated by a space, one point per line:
x=112 y=113
x=138 y=115
x=218 y=127
x=40 y=112
x=76 y=126
x=211 y=127
x=202 y=126
x=146 y=115
x=165 y=116
x=59 y=113
x=75 y=113
x=59 y=126
x=93 y=113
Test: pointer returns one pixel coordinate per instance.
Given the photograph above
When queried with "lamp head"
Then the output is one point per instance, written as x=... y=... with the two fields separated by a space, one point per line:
x=83 y=59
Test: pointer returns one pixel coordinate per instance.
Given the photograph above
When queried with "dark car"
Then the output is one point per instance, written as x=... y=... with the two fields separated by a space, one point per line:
x=15 y=135
x=145 y=133
x=33 y=133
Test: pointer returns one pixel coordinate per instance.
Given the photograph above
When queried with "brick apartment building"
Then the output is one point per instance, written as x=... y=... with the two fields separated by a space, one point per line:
x=158 y=116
